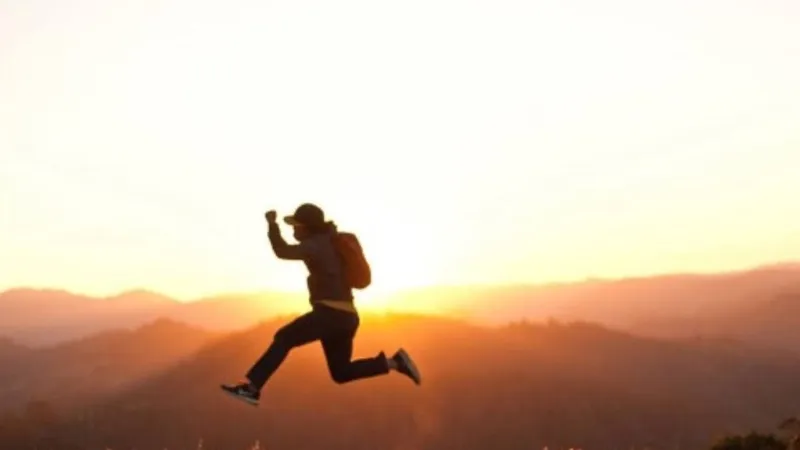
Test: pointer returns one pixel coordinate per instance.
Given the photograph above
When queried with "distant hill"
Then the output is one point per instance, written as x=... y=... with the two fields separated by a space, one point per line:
x=93 y=367
x=670 y=305
x=617 y=303
x=773 y=322
x=37 y=317
x=41 y=317
x=513 y=387
x=10 y=351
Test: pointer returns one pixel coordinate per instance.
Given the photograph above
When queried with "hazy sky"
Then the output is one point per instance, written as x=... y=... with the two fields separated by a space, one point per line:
x=481 y=141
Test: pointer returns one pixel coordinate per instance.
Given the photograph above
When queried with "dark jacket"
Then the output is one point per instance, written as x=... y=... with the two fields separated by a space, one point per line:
x=326 y=278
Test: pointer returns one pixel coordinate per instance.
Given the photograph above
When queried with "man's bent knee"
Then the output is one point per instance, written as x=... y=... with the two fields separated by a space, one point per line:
x=341 y=374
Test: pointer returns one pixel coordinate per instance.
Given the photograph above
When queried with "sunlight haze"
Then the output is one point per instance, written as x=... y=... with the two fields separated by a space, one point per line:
x=481 y=142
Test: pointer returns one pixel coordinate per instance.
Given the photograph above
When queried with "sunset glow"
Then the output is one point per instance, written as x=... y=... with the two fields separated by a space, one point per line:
x=141 y=142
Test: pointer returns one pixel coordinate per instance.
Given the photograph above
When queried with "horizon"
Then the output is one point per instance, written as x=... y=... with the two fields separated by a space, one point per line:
x=359 y=295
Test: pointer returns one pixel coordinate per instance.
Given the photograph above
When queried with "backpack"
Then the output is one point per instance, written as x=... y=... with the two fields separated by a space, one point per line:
x=356 y=267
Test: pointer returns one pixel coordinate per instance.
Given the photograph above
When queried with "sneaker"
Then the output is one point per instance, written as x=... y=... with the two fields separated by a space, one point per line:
x=242 y=391
x=406 y=366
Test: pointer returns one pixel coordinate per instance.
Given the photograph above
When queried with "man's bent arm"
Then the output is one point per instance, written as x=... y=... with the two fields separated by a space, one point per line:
x=282 y=249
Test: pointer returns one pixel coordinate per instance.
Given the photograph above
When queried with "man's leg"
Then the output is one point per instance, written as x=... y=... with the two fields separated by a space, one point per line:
x=339 y=352
x=301 y=331
x=338 y=347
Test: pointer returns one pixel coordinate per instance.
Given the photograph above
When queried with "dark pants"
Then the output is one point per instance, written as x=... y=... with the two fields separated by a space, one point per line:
x=335 y=330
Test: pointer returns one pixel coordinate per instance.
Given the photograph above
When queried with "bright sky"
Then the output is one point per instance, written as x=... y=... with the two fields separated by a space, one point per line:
x=480 y=141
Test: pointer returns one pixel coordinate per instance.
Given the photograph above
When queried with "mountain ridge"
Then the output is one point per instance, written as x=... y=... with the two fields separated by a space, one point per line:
x=36 y=317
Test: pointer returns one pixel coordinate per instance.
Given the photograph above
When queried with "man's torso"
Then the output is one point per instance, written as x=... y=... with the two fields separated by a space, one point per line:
x=326 y=279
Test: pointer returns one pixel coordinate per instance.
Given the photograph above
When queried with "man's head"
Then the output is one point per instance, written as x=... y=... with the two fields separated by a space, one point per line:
x=307 y=219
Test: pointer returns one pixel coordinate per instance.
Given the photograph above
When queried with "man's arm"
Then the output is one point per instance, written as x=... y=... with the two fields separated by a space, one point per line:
x=282 y=249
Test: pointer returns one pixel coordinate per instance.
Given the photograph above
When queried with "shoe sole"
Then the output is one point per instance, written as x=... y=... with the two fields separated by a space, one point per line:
x=249 y=401
x=411 y=366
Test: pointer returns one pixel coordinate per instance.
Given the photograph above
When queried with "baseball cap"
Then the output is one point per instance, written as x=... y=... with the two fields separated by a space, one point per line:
x=308 y=215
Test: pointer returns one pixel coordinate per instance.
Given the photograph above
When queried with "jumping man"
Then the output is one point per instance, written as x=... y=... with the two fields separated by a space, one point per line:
x=333 y=264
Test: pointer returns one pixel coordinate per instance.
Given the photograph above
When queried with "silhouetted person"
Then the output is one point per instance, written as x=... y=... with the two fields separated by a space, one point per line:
x=333 y=319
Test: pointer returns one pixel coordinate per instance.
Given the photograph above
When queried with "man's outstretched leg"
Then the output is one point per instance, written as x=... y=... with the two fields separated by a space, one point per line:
x=339 y=353
x=338 y=347
x=303 y=330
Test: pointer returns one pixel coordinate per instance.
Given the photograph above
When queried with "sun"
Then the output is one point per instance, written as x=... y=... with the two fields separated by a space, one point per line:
x=397 y=265
x=371 y=302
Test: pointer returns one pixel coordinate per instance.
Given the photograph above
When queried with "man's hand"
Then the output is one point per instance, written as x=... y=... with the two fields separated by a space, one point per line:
x=271 y=216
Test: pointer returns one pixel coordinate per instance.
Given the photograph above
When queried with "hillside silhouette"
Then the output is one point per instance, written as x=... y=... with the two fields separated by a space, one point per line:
x=82 y=371
x=756 y=306
x=46 y=317
x=518 y=386
x=627 y=302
